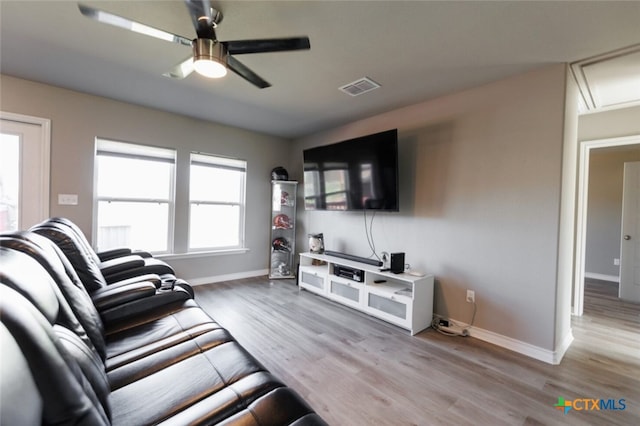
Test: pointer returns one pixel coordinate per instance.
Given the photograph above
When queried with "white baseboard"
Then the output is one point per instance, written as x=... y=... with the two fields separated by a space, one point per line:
x=524 y=348
x=227 y=277
x=603 y=277
x=562 y=349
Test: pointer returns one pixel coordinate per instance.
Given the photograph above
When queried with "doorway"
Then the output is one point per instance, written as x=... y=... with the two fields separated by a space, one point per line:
x=581 y=225
x=24 y=171
x=630 y=247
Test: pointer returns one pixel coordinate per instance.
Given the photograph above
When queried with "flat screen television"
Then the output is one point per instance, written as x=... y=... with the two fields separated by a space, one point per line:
x=356 y=174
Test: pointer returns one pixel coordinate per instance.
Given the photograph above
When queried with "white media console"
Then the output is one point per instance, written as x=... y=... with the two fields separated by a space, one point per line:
x=401 y=299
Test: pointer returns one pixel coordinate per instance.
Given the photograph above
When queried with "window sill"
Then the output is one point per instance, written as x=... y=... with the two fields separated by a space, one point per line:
x=196 y=254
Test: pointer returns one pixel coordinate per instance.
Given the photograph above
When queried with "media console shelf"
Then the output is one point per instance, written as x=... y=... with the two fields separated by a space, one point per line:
x=401 y=299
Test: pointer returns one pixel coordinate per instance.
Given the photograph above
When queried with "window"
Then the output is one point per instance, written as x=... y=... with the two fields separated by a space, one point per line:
x=134 y=196
x=216 y=202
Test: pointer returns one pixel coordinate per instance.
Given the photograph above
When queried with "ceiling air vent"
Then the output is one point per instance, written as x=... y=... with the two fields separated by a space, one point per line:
x=360 y=86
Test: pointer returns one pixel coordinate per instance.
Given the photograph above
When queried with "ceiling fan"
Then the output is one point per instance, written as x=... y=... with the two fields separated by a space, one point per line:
x=211 y=57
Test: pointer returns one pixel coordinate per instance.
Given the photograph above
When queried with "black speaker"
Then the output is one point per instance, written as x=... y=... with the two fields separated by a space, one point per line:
x=397 y=263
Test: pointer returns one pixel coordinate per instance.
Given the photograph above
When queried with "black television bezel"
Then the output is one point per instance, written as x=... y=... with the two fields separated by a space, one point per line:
x=392 y=136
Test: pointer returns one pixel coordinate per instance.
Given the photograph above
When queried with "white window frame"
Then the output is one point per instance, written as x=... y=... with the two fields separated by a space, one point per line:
x=216 y=161
x=105 y=146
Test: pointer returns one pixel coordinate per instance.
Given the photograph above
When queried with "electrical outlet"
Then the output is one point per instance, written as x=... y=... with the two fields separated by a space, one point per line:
x=68 y=199
x=471 y=296
x=616 y=262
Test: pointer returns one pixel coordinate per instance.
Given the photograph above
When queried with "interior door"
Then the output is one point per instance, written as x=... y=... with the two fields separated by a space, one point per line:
x=24 y=171
x=630 y=243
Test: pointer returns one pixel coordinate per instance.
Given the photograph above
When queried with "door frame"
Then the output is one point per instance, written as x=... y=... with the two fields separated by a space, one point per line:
x=581 y=219
x=45 y=150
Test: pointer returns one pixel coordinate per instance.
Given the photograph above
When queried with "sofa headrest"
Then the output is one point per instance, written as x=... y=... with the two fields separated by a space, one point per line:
x=81 y=257
x=24 y=275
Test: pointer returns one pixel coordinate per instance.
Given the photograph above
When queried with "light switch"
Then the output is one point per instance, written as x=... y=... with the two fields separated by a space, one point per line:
x=68 y=199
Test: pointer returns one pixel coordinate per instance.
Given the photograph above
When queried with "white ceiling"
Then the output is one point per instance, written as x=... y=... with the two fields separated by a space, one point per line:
x=416 y=50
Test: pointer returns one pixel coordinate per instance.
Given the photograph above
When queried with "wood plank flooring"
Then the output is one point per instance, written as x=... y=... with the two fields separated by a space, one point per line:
x=356 y=370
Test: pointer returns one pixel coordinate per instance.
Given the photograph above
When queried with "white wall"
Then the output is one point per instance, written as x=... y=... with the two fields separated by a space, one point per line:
x=77 y=118
x=480 y=181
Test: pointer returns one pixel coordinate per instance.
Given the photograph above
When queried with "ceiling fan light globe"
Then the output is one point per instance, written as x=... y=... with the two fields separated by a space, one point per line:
x=209 y=58
x=209 y=68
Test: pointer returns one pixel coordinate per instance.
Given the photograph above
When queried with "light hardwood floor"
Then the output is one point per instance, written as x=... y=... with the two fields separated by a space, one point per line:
x=356 y=370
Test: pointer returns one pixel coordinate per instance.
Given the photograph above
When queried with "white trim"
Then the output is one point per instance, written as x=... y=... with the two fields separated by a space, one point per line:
x=227 y=277
x=602 y=277
x=524 y=348
x=581 y=219
x=45 y=166
x=558 y=354
x=196 y=254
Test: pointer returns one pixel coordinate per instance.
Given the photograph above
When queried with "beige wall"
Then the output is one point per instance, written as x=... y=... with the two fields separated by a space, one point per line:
x=76 y=119
x=480 y=182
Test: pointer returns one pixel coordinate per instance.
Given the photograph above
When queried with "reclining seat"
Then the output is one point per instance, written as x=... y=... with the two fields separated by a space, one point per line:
x=130 y=333
x=134 y=295
x=103 y=255
x=90 y=269
x=207 y=380
x=76 y=247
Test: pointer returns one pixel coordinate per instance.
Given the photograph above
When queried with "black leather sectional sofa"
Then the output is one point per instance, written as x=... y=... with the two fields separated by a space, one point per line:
x=116 y=338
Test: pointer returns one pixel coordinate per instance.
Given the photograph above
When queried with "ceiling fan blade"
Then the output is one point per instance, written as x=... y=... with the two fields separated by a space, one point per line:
x=182 y=70
x=204 y=18
x=243 y=71
x=127 y=24
x=239 y=47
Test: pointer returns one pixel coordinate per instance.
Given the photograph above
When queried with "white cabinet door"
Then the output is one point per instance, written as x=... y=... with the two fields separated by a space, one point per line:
x=345 y=291
x=312 y=280
x=394 y=308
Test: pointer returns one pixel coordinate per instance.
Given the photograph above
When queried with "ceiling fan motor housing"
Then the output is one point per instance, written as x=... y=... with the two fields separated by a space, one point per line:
x=210 y=50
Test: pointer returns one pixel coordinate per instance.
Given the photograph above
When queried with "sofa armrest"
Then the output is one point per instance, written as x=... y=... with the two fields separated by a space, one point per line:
x=120 y=264
x=121 y=252
x=140 y=306
x=152 y=278
x=142 y=253
x=110 y=297
x=113 y=254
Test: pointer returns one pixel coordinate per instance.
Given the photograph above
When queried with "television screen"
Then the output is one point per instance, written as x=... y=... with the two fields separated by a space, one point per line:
x=357 y=174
